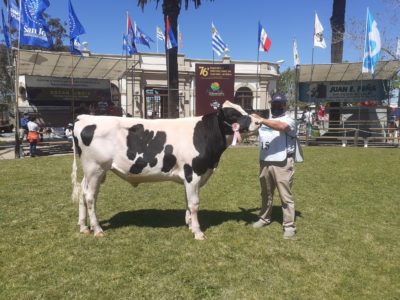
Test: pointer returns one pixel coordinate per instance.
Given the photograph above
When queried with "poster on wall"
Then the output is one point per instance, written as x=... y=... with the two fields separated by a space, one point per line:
x=215 y=83
x=346 y=91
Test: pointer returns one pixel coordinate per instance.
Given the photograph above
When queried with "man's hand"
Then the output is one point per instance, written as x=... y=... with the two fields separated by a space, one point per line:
x=259 y=120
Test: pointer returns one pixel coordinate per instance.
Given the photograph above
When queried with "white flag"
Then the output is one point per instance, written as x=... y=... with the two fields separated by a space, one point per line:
x=398 y=49
x=296 y=57
x=319 y=40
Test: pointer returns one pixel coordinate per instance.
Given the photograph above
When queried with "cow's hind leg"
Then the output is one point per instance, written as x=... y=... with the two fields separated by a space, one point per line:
x=83 y=228
x=91 y=186
x=192 y=194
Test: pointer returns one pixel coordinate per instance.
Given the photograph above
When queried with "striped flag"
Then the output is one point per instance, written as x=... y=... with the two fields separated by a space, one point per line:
x=264 y=42
x=170 y=37
x=218 y=44
x=160 y=34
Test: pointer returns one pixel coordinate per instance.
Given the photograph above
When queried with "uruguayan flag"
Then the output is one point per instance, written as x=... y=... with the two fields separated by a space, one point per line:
x=218 y=44
x=372 y=50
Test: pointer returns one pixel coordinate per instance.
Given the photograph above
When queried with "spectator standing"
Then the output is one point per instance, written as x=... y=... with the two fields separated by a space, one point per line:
x=308 y=118
x=33 y=135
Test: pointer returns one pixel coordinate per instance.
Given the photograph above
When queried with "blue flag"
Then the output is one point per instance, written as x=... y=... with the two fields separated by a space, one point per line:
x=141 y=37
x=372 y=50
x=5 y=31
x=13 y=14
x=34 y=29
x=126 y=46
x=75 y=30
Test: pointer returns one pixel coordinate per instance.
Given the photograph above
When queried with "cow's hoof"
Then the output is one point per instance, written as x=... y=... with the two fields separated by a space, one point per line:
x=100 y=234
x=85 y=231
x=199 y=236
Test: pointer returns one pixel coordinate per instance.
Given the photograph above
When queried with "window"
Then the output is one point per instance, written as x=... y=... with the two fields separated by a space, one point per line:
x=244 y=97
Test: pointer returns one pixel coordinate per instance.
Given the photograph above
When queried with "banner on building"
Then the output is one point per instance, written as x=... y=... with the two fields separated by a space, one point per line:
x=58 y=90
x=344 y=91
x=215 y=83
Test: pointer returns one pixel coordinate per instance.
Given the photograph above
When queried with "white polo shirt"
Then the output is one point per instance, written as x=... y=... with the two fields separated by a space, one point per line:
x=276 y=145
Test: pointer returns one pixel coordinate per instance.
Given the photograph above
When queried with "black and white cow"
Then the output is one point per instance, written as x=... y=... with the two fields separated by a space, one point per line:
x=185 y=150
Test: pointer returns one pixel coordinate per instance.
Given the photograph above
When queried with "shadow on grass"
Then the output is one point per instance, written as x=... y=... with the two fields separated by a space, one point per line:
x=159 y=218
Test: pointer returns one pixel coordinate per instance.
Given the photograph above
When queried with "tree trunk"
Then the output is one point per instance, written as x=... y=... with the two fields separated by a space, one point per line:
x=337 y=25
x=171 y=8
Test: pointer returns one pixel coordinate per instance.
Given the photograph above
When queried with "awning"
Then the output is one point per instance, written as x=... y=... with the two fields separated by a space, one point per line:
x=63 y=64
x=346 y=72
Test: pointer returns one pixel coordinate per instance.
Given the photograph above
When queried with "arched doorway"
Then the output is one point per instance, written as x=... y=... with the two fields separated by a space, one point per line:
x=244 y=97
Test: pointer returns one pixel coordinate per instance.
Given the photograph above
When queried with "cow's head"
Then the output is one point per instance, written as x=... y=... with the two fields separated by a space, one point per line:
x=233 y=113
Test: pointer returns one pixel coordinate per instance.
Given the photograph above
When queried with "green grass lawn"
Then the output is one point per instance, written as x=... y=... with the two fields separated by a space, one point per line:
x=347 y=206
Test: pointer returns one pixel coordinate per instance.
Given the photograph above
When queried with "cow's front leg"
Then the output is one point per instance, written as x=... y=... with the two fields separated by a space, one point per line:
x=192 y=194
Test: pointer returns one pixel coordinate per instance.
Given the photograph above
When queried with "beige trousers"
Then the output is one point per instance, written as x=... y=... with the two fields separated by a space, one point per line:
x=278 y=175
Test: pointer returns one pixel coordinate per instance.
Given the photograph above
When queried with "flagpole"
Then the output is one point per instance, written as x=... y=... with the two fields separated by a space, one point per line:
x=126 y=67
x=312 y=52
x=72 y=87
x=257 y=76
x=17 y=139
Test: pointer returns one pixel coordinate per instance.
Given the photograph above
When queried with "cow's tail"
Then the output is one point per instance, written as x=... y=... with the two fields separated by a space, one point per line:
x=76 y=187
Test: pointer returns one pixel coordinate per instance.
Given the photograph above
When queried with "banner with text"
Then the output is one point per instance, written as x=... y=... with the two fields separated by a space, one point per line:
x=59 y=91
x=215 y=83
x=344 y=91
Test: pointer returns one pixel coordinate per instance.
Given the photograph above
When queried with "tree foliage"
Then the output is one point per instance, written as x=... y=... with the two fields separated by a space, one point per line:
x=287 y=85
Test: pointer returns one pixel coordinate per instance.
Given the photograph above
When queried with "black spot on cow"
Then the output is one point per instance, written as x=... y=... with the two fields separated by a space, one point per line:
x=87 y=134
x=209 y=140
x=188 y=172
x=169 y=159
x=145 y=142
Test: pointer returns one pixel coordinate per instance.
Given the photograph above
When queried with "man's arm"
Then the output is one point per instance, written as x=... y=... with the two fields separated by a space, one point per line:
x=274 y=124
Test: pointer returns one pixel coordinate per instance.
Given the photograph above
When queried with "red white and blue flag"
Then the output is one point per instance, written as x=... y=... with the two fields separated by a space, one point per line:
x=264 y=42
x=131 y=36
x=170 y=38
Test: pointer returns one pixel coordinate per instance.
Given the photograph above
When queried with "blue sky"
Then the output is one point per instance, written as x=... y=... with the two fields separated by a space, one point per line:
x=236 y=21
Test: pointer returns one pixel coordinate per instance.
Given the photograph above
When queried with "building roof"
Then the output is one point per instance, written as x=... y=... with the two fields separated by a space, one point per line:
x=346 y=72
x=63 y=64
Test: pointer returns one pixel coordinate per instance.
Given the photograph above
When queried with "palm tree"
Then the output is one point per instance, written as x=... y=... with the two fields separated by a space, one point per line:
x=337 y=25
x=172 y=8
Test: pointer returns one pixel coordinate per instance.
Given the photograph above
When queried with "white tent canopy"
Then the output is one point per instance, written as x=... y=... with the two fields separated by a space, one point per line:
x=385 y=70
x=63 y=64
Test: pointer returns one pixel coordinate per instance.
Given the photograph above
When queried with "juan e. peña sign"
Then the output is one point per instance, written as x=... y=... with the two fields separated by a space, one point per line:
x=346 y=91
